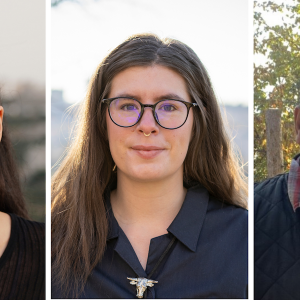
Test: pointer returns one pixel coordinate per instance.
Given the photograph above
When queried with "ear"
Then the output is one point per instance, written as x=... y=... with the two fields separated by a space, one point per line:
x=297 y=123
x=1 y=121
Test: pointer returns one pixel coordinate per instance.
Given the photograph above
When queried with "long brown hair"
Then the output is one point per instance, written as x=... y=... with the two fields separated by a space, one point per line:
x=11 y=196
x=79 y=224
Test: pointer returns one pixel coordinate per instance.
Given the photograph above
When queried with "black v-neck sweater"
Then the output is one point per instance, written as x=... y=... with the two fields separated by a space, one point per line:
x=22 y=265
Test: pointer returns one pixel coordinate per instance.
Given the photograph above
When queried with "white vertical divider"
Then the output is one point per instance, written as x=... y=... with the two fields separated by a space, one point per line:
x=48 y=147
x=250 y=94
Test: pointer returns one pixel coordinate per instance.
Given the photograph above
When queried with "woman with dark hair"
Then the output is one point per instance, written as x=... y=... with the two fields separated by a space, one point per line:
x=149 y=200
x=22 y=242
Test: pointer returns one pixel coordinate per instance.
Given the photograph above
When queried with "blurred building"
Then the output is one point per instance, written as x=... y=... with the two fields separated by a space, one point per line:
x=62 y=117
x=24 y=114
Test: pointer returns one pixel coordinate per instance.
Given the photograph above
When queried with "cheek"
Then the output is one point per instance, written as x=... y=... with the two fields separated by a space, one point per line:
x=189 y=127
x=116 y=139
x=182 y=139
x=189 y=132
x=112 y=135
x=113 y=131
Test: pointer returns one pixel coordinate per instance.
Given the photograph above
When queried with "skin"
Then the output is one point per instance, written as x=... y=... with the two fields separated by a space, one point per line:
x=149 y=191
x=5 y=228
x=5 y=221
x=1 y=121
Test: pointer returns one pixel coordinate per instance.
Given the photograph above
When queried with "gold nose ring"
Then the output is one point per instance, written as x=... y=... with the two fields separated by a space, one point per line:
x=147 y=134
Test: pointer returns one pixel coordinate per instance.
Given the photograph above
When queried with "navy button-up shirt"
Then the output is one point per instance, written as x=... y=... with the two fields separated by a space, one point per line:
x=207 y=260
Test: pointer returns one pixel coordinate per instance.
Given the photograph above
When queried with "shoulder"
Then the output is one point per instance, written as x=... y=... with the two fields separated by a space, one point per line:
x=5 y=229
x=218 y=206
x=28 y=234
x=230 y=210
x=223 y=212
x=271 y=186
x=269 y=194
x=26 y=239
x=28 y=227
x=23 y=260
x=226 y=224
x=230 y=218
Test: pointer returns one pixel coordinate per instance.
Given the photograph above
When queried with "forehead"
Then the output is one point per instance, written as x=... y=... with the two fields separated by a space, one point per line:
x=148 y=82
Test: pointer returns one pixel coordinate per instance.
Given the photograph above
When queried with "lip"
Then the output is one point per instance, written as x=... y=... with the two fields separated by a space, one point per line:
x=147 y=151
x=146 y=148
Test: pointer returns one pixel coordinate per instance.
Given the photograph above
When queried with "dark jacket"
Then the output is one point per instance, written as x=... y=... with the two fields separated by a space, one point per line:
x=276 y=242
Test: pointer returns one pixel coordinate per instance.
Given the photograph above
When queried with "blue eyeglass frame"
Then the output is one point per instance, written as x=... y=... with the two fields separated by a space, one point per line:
x=152 y=106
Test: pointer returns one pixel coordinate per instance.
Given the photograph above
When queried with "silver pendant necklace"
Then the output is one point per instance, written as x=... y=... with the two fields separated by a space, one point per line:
x=141 y=282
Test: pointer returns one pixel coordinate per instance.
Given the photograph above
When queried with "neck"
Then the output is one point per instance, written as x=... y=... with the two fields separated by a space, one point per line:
x=151 y=202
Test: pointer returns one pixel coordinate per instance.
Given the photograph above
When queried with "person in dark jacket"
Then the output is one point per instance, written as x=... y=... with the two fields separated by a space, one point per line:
x=22 y=242
x=277 y=233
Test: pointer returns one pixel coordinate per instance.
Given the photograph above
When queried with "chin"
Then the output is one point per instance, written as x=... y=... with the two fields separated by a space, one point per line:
x=147 y=173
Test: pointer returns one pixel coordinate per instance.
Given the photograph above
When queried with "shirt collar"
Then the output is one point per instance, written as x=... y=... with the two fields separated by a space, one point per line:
x=187 y=224
x=113 y=228
x=294 y=182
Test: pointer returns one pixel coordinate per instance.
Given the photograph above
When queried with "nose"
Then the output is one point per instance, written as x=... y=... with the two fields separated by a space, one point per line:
x=147 y=123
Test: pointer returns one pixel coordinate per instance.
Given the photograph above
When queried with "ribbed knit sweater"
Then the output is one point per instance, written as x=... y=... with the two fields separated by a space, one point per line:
x=22 y=265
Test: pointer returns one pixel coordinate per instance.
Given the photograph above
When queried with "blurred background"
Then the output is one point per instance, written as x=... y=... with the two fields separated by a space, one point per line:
x=83 y=32
x=22 y=93
x=276 y=85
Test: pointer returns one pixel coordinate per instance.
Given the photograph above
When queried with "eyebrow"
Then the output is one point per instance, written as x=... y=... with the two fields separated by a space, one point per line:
x=166 y=96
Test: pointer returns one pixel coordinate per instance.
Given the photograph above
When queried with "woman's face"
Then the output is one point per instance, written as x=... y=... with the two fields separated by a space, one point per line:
x=160 y=155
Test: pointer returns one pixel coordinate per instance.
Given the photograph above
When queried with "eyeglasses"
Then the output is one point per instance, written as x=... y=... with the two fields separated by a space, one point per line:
x=168 y=113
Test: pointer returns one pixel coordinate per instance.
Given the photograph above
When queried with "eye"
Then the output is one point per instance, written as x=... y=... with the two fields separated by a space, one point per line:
x=127 y=107
x=167 y=107
x=125 y=104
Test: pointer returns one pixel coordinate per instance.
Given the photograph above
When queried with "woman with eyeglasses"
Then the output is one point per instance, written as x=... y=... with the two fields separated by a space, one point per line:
x=149 y=201
x=22 y=242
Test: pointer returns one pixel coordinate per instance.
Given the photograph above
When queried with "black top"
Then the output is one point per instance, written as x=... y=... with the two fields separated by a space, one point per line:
x=207 y=260
x=22 y=265
x=276 y=242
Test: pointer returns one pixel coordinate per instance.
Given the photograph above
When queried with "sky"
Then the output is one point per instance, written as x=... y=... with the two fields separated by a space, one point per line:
x=22 y=42
x=83 y=32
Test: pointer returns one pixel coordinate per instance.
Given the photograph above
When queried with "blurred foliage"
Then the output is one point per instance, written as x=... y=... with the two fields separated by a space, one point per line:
x=277 y=78
x=24 y=115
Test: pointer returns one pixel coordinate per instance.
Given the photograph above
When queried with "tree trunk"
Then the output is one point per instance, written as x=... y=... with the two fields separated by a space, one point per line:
x=274 y=142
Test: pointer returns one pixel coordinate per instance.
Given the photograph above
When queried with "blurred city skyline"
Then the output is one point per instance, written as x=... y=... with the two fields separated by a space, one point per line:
x=22 y=94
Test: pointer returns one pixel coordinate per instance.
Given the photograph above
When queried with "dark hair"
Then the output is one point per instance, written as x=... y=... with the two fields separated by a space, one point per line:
x=11 y=197
x=79 y=224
